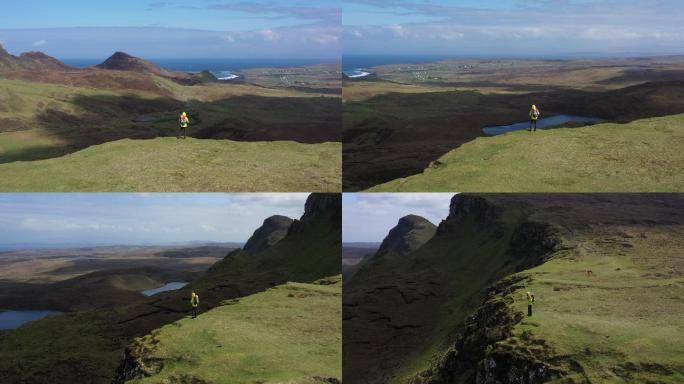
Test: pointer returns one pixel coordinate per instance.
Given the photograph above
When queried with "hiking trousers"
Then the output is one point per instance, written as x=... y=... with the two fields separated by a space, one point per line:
x=529 y=310
x=181 y=131
x=194 y=312
x=533 y=124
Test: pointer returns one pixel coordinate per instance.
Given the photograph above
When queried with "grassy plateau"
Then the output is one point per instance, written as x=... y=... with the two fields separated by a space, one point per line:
x=641 y=156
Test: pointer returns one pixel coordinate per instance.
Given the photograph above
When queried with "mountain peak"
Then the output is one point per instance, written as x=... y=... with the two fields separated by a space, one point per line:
x=271 y=231
x=34 y=61
x=122 y=61
x=411 y=232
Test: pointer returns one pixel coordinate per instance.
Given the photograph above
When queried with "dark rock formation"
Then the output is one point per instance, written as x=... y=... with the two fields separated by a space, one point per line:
x=409 y=234
x=271 y=231
x=317 y=206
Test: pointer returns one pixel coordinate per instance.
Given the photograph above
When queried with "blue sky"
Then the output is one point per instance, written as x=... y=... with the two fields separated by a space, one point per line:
x=130 y=218
x=174 y=28
x=539 y=28
x=368 y=217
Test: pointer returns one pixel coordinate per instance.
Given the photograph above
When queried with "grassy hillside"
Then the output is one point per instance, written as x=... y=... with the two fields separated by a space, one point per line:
x=644 y=155
x=622 y=323
x=47 y=118
x=88 y=346
x=454 y=310
x=168 y=164
x=290 y=333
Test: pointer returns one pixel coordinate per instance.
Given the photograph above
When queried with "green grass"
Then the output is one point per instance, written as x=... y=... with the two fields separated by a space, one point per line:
x=623 y=323
x=641 y=156
x=287 y=334
x=169 y=164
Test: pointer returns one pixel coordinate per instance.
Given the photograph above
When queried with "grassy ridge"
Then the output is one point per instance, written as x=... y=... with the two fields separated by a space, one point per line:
x=644 y=155
x=290 y=333
x=169 y=164
x=426 y=318
x=622 y=323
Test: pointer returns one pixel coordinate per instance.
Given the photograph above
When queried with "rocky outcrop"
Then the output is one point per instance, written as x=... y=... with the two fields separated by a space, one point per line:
x=271 y=231
x=469 y=207
x=409 y=234
x=320 y=206
x=477 y=356
x=532 y=242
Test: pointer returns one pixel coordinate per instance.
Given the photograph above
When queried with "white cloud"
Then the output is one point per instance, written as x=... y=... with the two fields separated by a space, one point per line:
x=269 y=35
x=39 y=43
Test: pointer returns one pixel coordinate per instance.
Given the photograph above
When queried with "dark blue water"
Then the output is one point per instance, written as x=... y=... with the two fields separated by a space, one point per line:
x=168 y=287
x=15 y=319
x=541 y=123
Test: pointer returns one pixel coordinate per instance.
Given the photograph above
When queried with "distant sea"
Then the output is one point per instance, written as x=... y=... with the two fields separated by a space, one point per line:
x=355 y=66
x=358 y=65
x=221 y=68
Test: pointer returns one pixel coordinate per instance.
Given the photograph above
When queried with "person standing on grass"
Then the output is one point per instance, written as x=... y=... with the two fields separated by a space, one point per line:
x=530 y=301
x=194 y=302
x=534 y=116
x=183 y=120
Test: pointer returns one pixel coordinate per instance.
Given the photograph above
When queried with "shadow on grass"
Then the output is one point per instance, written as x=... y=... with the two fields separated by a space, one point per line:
x=397 y=135
x=106 y=118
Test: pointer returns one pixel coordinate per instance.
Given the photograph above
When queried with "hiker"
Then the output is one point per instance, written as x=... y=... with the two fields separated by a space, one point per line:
x=534 y=116
x=530 y=301
x=194 y=302
x=183 y=121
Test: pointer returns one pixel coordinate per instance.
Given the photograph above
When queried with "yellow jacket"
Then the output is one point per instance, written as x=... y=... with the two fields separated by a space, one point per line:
x=534 y=114
x=184 y=121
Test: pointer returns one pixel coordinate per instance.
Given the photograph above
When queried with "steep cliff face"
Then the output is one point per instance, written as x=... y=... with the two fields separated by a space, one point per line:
x=474 y=356
x=320 y=207
x=271 y=231
x=409 y=234
x=454 y=310
x=399 y=311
